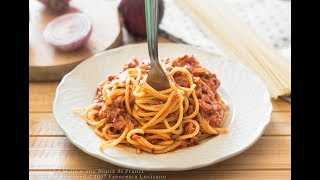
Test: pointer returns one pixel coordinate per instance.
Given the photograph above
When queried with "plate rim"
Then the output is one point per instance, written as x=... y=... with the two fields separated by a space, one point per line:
x=263 y=126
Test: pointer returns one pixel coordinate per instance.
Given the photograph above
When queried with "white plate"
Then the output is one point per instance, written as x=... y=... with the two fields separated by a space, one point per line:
x=251 y=107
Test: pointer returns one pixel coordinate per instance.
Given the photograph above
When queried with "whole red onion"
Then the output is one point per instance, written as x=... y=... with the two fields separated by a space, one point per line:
x=133 y=16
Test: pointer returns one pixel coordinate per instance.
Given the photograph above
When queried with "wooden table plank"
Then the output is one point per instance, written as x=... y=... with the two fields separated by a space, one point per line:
x=44 y=124
x=280 y=124
x=199 y=175
x=41 y=98
x=281 y=105
x=270 y=152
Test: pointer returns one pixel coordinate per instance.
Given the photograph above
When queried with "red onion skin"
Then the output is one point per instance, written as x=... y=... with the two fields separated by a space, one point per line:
x=133 y=14
x=56 y=6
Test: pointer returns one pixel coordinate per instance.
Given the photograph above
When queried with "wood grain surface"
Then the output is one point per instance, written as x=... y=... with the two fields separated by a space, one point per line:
x=52 y=156
x=46 y=62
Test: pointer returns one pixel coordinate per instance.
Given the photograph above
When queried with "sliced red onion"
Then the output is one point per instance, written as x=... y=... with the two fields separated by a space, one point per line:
x=68 y=32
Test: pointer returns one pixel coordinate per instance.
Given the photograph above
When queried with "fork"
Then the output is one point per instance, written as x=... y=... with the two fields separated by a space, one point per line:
x=156 y=76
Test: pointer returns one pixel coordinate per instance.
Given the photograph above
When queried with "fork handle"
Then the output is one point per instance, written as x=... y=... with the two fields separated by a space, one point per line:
x=151 y=10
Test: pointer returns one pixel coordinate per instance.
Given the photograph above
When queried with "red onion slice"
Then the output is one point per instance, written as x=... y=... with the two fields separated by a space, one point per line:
x=68 y=32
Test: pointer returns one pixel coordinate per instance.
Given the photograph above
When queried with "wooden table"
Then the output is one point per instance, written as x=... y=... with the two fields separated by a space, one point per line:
x=52 y=156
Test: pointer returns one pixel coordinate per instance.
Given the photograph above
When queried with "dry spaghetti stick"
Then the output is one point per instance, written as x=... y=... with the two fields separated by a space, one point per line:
x=245 y=45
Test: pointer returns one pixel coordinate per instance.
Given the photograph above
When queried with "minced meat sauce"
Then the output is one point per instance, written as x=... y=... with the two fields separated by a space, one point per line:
x=206 y=91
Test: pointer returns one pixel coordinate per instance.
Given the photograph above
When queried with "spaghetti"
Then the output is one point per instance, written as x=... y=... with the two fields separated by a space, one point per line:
x=128 y=111
x=240 y=42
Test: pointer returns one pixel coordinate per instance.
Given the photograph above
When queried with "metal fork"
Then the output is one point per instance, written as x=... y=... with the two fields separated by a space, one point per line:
x=156 y=76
